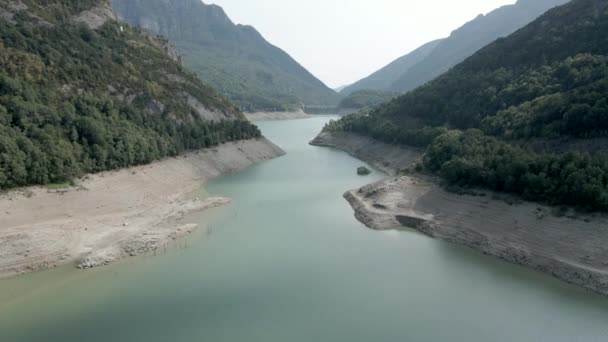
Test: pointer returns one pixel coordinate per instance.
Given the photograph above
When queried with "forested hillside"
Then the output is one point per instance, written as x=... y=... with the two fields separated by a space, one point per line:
x=383 y=79
x=434 y=58
x=80 y=92
x=471 y=37
x=363 y=99
x=235 y=59
x=547 y=81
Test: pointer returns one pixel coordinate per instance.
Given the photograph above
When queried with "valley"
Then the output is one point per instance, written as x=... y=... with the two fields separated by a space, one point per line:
x=179 y=170
x=257 y=269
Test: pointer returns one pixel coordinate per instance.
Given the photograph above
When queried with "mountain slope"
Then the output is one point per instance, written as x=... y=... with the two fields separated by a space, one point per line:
x=363 y=99
x=384 y=78
x=558 y=54
x=233 y=58
x=469 y=38
x=81 y=93
x=547 y=83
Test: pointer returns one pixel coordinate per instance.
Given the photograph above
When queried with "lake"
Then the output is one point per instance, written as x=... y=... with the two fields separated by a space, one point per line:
x=287 y=261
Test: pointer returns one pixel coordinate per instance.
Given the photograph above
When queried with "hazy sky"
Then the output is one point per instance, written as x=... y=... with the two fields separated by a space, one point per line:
x=342 y=41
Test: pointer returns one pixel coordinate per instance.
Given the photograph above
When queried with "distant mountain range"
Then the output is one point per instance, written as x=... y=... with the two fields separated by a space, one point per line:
x=235 y=59
x=437 y=57
x=383 y=79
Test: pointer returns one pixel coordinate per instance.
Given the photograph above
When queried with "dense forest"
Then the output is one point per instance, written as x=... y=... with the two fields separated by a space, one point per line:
x=235 y=59
x=75 y=100
x=365 y=99
x=547 y=81
x=471 y=158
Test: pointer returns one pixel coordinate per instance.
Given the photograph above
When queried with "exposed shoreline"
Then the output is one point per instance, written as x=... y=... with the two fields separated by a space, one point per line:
x=118 y=214
x=569 y=247
x=276 y=116
x=385 y=157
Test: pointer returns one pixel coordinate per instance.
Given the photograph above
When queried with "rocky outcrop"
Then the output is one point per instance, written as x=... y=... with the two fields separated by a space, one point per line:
x=207 y=114
x=97 y=16
x=363 y=171
x=164 y=45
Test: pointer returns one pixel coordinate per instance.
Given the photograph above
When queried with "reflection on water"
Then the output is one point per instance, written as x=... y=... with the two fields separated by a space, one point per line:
x=287 y=261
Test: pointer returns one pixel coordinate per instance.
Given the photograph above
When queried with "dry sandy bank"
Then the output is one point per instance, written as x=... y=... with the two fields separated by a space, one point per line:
x=571 y=247
x=274 y=116
x=115 y=214
x=385 y=157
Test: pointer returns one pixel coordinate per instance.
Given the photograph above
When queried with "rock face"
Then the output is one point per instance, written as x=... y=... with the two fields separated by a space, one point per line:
x=97 y=16
x=205 y=113
x=363 y=171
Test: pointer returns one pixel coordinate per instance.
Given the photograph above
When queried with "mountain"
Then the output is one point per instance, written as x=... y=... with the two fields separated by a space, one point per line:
x=81 y=92
x=435 y=58
x=527 y=114
x=235 y=59
x=384 y=78
x=469 y=38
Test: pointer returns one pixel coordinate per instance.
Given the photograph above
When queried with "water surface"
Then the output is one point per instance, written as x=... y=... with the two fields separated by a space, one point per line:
x=287 y=261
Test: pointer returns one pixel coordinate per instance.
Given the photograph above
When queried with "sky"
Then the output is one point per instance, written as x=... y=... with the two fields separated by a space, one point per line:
x=342 y=41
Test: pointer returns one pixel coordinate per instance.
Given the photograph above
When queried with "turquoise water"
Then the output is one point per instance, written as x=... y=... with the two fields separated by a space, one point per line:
x=287 y=261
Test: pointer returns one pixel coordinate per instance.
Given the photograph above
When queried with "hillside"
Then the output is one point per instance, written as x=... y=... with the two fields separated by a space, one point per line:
x=546 y=82
x=81 y=93
x=471 y=37
x=235 y=59
x=365 y=99
x=434 y=58
x=384 y=78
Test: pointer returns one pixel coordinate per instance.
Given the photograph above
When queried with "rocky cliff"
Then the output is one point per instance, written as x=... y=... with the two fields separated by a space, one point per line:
x=96 y=16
